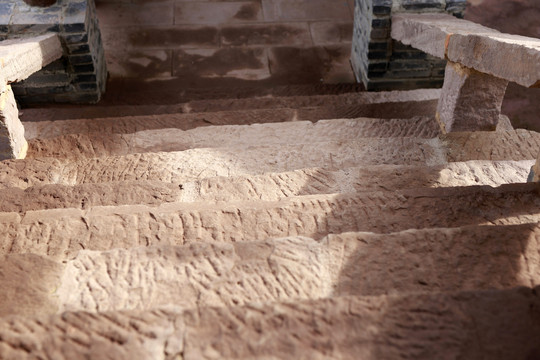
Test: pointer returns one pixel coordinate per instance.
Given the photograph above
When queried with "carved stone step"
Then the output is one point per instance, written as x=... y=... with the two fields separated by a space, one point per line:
x=419 y=326
x=191 y=165
x=299 y=132
x=380 y=102
x=62 y=233
x=287 y=269
x=267 y=187
x=186 y=121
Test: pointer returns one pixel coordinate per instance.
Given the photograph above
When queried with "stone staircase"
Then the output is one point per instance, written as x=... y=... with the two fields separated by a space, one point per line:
x=270 y=227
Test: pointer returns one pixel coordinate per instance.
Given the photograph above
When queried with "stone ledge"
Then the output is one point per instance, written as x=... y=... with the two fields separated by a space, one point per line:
x=20 y=58
x=510 y=57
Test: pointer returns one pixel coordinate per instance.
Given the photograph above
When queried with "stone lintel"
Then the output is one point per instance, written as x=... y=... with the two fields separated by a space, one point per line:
x=470 y=100
x=12 y=142
x=430 y=32
x=510 y=57
x=20 y=58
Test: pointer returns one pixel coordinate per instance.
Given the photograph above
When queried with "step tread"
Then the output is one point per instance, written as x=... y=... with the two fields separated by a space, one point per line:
x=186 y=121
x=200 y=163
x=267 y=187
x=286 y=269
x=62 y=233
x=213 y=105
x=98 y=144
x=419 y=326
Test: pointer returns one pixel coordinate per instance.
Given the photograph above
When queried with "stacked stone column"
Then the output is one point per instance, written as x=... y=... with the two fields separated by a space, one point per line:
x=381 y=63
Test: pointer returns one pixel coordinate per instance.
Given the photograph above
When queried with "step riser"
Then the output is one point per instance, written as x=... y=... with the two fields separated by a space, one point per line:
x=422 y=98
x=281 y=270
x=266 y=187
x=99 y=144
x=397 y=327
x=62 y=233
x=511 y=145
x=196 y=164
x=131 y=124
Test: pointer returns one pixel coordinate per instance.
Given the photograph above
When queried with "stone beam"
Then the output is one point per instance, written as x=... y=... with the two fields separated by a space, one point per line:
x=19 y=58
x=510 y=57
x=481 y=62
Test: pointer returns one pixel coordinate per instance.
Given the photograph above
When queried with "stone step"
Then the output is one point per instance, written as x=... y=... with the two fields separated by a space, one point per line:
x=372 y=101
x=488 y=145
x=419 y=326
x=267 y=187
x=186 y=121
x=201 y=163
x=194 y=164
x=75 y=146
x=62 y=233
x=287 y=269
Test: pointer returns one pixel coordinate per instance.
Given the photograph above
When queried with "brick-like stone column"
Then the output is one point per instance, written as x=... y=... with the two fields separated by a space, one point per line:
x=80 y=75
x=381 y=63
x=470 y=100
x=12 y=141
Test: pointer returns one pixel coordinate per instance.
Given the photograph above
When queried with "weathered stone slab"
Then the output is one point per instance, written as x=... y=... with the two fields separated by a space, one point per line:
x=494 y=324
x=12 y=142
x=511 y=57
x=430 y=32
x=20 y=58
x=470 y=100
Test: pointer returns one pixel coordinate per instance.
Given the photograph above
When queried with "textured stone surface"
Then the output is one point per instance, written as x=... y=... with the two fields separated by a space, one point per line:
x=268 y=187
x=13 y=145
x=294 y=268
x=470 y=100
x=200 y=163
x=387 y=103
x=62 y=233
x=342 y=327
x=299 y=132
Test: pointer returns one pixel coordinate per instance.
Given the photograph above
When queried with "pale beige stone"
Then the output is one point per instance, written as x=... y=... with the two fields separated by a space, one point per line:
x=20 y=58
x=12 y=142
x=420 y=326
x=510 y=57
x=62 y=234
x=431 y=32
x=271 y=134
x=470 y=100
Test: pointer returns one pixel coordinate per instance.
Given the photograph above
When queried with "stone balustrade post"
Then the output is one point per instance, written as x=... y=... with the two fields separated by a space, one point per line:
x=19 y=59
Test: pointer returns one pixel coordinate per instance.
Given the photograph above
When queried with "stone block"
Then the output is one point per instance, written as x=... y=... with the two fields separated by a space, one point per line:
x=511 y=57
x=470 y=100
x=12 y=142
x=22 y=57
x=430 y=32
